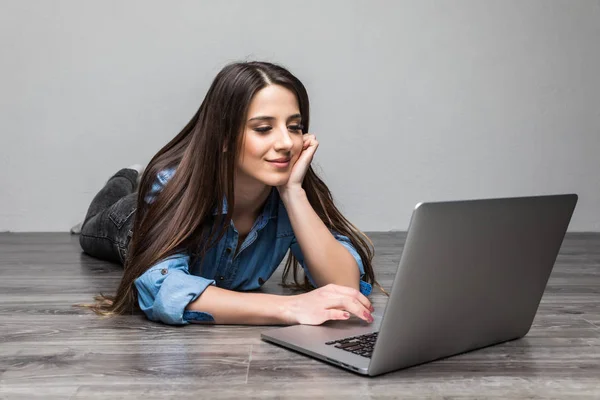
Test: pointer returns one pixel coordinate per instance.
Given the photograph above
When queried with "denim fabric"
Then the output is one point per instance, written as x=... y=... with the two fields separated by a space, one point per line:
x=106 y=229
x=167 y=287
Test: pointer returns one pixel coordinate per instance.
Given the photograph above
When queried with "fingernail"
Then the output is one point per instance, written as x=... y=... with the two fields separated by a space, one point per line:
x=372 y=309
x=346 y=315
x=367 y=316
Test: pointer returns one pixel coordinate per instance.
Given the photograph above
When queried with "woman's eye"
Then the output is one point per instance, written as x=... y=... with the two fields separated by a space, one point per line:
x=263 y=129
x=268 y=128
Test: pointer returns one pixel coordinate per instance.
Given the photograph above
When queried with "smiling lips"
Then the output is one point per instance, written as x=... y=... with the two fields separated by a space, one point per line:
x=280 y=162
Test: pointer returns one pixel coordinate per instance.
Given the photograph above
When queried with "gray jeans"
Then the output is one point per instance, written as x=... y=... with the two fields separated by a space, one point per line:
x=107 y=227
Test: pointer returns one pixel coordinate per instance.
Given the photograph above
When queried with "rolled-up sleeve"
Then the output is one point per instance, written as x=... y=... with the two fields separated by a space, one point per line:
x=365 y=288
x=167 y=288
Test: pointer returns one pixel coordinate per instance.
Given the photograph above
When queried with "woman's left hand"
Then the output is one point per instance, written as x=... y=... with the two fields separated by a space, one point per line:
x=299 y=169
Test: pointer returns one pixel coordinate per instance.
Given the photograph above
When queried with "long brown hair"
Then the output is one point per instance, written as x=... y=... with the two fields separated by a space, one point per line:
x=180 y=218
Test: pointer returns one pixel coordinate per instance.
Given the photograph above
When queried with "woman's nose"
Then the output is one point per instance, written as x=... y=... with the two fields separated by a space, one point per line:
x=284 y=140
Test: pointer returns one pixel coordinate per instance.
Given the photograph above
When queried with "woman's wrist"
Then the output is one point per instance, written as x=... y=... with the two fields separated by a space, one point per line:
x=290 y=194
x=284 y=312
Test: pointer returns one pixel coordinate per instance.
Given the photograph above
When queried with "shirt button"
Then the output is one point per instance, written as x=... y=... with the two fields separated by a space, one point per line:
x=221 y=278
x=228 y=250
x=164 y=271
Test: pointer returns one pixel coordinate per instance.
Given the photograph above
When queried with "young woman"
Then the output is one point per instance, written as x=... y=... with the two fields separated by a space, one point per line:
x=218 y=208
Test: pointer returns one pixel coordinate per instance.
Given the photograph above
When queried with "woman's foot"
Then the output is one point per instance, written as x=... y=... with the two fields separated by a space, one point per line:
x=76 y=230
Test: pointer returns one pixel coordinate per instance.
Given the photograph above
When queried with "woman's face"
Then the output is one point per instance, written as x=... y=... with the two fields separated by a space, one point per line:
x=272 y=132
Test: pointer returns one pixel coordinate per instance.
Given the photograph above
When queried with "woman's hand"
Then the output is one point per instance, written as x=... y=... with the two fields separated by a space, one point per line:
x=299 y=169
x=330 y=302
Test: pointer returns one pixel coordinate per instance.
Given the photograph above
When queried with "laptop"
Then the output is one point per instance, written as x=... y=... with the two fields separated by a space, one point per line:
x=471 y=275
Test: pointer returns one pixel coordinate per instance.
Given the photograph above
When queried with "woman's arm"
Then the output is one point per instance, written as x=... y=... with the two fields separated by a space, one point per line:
x=167 y=292
x=230 y=307
x=313 y=308
x=326 y=258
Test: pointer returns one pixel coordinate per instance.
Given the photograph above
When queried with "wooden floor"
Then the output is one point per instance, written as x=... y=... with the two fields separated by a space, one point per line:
x=50 y=349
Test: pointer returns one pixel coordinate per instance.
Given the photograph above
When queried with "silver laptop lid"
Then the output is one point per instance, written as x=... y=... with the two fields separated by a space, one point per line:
x=472 y=274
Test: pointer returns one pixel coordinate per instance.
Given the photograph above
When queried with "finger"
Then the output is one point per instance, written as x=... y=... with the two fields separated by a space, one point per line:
x=308 y=151
x=310 y=143
x=348 y=291
x=334 y=314
x=358 y=309
x=351 y=305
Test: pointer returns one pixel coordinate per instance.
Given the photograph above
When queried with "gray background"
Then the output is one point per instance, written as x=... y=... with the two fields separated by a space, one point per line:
x=411 y=100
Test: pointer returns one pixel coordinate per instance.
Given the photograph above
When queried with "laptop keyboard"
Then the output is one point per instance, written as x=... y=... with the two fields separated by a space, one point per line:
x=361 y=345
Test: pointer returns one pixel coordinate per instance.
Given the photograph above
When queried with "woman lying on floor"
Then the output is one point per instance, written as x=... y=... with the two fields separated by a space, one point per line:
x=218 y=208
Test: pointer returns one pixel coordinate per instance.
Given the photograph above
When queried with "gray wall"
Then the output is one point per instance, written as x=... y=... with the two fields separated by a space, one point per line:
x=411 y=100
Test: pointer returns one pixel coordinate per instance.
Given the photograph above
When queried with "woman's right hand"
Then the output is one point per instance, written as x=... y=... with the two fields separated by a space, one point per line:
x=330 y=302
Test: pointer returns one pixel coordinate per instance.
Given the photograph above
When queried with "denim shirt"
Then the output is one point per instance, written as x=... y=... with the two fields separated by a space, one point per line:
x=166 y=288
